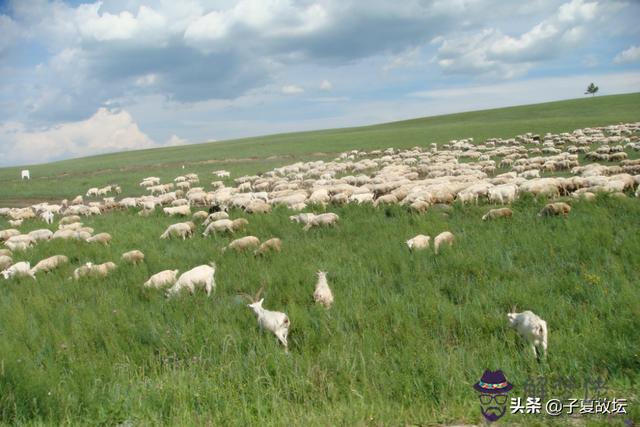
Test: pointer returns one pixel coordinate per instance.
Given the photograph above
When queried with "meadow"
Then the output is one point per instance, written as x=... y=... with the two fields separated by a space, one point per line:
x=407 y=337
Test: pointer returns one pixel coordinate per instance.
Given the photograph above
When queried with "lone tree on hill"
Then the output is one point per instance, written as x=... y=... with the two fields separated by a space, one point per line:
x=591 y=89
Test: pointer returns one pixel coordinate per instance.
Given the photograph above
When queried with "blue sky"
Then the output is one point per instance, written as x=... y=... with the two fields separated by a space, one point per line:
x=81 y=78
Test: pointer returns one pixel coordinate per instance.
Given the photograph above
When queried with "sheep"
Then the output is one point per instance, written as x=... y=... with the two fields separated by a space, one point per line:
x=322 y=294
x=215 y=216
x=5 y=262
x=98 y=270
x=178 y=210
x=133 y=257
x=162 y=279
x=418 y=242
x=257 y=206
x=5 y=252
x=531 y=328
x=225 y=225
x=8 y=233
x=180 y=229
x=42 y=234
x=322 y=219
x=47 y=216
x=498 y=213
x=273 y=244
x=15 y=223
x=441 y=238
x=558 y=208
x=103 y=238
x=202 y=276
x=48 y=264
x=18 y=245
x=243 y=243
x=69 y=219
x=77 y=201
x=18 y=269
x=64 y=234
x=303 y=218
x=200 y=215
x=274 y=321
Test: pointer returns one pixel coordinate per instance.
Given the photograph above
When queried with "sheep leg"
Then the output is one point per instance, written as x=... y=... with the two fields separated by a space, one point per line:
x=282 y=337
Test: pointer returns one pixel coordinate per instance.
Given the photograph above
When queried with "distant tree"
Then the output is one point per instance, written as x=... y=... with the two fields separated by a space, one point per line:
x=591 y=89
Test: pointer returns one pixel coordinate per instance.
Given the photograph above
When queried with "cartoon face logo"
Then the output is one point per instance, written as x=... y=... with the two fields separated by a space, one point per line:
x=493 y=388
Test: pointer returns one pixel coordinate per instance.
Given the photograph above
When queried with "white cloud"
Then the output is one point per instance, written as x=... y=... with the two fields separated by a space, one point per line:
x=630 y=55
x=147 y=80
x=105 y=131
x=406 y=59
x=326 y=85
x=175 y=140
x=291 y=89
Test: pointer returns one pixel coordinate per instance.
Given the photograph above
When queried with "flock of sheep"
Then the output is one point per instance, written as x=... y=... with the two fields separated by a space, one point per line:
x=417 y=178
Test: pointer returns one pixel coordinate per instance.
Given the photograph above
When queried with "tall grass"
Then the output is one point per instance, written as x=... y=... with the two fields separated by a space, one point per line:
x=407 y=337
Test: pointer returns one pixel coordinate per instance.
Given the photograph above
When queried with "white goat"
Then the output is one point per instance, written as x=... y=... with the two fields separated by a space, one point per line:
x=532 y=328
x=322 y=294
x=274 y=321
x=202 y=275
x=18 y=269
x=418 y=242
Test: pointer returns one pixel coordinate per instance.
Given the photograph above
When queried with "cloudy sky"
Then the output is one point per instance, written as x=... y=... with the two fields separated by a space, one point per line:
x=80 y=78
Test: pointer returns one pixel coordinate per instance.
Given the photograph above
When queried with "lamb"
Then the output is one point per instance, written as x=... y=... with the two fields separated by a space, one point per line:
x=225 y=225
x=178 y=210
x=418 y=242
x=273 y=244
x=303 y=218
x=19 y=245
x=322 y=219
x=69 y=219
x=441 y=238
x=498 y=213
x=98 y=270
x=15 y=223
x=51 y=263
x=274 y=321
x=133 y=257
x=19 y=269
x=47 y=216
x=8 y=233
x=532 y=328
x=202 y=276
x=180 y=229
x=215 y=216
x=5 y=262
x=200 y=215
x=558 y=208
x=42 y=234
x=243 y=243
x=162 y=279
x=322 y=294
x=103 y=238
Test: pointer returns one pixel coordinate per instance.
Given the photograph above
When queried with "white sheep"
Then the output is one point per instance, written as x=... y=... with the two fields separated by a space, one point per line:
x=42 y=234
x=532 y=328
x=215 y=216
x=225 y=225
x=133 y=257
x=202 y=276
x=273 y=244
x=302 y=218
x=498 y=213
x=243 y=243
x=178 y=210
x=5 y=262
x=322 y=220
x=162 y=279
x=180 y=229
x=15 y=223
x=322 y=294
x=69 y=219
x=47 y=216
x=98 y=270
x=19 y=269
x=102 y=238
x=274 y=321
x=418 y=242
x=51 y=263
x=8 y=233
x=441 y=238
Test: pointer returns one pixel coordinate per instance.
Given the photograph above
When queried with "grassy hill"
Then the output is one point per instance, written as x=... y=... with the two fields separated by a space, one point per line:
x=408 y=335
x=69 y=178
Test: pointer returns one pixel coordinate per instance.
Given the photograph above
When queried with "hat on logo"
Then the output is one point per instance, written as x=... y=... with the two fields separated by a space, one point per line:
x=493 y=382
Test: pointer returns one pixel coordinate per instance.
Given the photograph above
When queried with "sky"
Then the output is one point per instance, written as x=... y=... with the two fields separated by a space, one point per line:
x=82 y=78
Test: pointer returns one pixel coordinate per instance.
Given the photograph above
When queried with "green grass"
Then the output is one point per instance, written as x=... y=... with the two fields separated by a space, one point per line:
x=69 y=178
x=408 y=335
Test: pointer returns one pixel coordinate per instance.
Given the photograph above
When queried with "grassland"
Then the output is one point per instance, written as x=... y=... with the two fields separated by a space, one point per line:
x=407 y=337
x=69 y=178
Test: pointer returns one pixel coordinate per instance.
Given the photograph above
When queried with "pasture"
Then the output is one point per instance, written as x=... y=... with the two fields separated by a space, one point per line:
x=408 y=334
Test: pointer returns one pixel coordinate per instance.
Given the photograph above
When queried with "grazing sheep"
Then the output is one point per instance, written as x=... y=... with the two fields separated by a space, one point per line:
x=69 y=219
x=303 y=218
x=274 y=321
x=19 y=269
x=42 y=234
x=558 y=208
x=97 y=270
x=18 y=245
x=419 y=206
x=418 y=242
x=225 y=225
x=322 y=294
x=180 y=229
x=200 y=215
x=8 y=233
x=51 y=263
x=102 y=238
x=162 y=279
x=498 y=213
x=202 y=276
x=243 y=243
x=16 y=223
x=178 y=210
x=257 y=206
x=441 y=238
x=5 y=262
x=5 y=252
x=47 y=216
x=321 y=220
x=273 y=244
x=532 y=328
x=215 y=216
x=133 y=257
x=77 y=201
